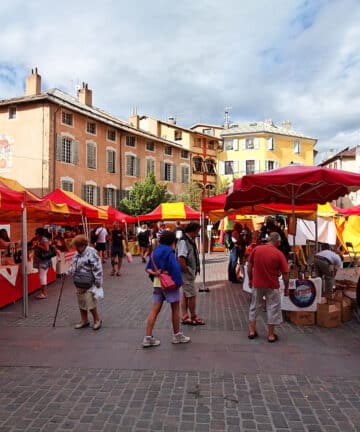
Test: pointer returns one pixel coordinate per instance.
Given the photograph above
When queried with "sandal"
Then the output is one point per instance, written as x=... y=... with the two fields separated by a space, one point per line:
x=186 y=321
x=273 y=340
x=41 y=296
x=112 y=273
x=253 y=335
x=118 y=274
x=197 y=321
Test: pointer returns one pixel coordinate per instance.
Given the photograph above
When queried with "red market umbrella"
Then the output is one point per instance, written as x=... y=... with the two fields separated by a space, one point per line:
x=293 y=184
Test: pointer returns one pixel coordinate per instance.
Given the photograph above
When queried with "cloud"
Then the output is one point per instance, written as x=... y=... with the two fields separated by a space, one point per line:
x=295 y=60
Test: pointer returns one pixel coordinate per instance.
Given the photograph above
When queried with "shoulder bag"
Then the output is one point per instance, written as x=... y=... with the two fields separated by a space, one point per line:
x=166 y=281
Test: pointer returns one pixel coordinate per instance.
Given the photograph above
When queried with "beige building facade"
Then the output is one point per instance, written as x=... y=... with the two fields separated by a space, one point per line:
x=202 y=147
x=49 y=140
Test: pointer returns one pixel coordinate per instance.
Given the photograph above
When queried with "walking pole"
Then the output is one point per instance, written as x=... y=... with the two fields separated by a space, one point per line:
x=58 y=303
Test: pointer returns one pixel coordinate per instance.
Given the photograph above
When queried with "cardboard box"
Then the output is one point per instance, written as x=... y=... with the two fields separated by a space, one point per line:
x=345 y=305
x=302 y=318
x=328 y=315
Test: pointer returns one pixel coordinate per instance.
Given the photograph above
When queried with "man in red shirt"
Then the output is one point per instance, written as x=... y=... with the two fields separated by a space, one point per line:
x=265 y=264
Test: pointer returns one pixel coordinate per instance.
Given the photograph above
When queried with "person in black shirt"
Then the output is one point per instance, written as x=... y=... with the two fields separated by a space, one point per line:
x=118 y=239
x=143 y=239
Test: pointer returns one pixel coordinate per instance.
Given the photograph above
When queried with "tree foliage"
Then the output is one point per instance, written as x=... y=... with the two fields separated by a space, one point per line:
x=145 y=196
x=192 y=196
x=222 y=186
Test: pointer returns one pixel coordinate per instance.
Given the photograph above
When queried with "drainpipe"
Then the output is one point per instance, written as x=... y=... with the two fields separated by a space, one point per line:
x=54 y=152
x=120 y=164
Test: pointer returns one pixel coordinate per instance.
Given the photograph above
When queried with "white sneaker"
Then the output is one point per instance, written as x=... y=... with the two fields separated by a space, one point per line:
x=150 y=342
x=180 y=338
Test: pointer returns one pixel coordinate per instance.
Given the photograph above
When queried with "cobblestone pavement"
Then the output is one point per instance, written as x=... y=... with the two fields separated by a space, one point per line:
x=61 y=379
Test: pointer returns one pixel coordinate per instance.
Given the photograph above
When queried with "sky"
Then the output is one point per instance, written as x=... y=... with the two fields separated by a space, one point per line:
x=296 y=60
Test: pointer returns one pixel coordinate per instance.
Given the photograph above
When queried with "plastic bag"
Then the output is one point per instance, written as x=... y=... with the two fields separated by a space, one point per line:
x=129 y=257
x=98 y=292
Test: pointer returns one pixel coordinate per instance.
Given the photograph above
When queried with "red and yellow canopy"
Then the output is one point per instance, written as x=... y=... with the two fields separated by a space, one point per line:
x=171 y=211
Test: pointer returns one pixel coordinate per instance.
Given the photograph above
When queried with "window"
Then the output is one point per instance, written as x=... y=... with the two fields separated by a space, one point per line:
x=184 y=154
x=197 y=165
x=270 y=143
x=178 y=135
x=211 y=145
x=130 y=141
x=67 y=150
x=67 y=184
x=209 y=190
x=91 y=194
x=167 y=171
x=250 y=167
x=210 y=166
x=110 y=160
x=231 y=144
x=111 y=135
x=109 y=195
x=132 y=166
x=66 y=118
x=91 y=128
x=168 y=150
x=12 y=113
x=197 y=142
x=249 y=144
x=150 y=146
x=229 y=168
x=91 y=155
x=296 y=147
x=208 y=131
x=150 y=166
x=270 y=165
x=185 y=173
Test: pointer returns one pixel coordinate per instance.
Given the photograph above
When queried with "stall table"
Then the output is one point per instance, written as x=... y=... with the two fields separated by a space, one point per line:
x=11 y=282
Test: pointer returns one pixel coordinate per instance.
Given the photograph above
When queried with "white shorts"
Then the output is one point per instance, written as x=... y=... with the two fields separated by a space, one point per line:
x=43 y=276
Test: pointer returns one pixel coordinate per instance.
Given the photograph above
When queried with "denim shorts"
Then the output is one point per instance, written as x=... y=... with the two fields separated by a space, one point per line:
x=171 y=296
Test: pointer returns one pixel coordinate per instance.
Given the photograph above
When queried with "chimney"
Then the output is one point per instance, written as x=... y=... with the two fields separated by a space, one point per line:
x=134 y=118
x=172 y=120
x=33 y=83
x=85 y=95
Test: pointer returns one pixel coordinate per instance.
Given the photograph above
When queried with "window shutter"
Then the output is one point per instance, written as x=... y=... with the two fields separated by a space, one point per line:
x=105 y=196
x=98 y=195
x=235 y=166
x=243 y=167
x=257 y=166
x=235 y=144
x=59 y=145
x=75 y=152
x=243 y=143
x=128 y=165
x=221 y=167
x=173 y=172
x=162 y=170
x=276 y=164
x=137 y=166
x=270 y=143
x=118 y=197
x=256 y=143
x=83 y=191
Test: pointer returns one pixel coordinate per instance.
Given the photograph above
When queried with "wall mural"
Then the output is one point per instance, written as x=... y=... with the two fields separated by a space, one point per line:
x=6 y=150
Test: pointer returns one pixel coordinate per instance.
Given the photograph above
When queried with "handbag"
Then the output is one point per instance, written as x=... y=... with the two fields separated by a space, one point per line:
x=83 y=280
x=166 y=281
x=129 y=257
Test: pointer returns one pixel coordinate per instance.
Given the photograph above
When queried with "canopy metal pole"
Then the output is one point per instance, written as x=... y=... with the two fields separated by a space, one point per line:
x=316 y=232
x=126 y=231
x=24 y=264
x=202 y=234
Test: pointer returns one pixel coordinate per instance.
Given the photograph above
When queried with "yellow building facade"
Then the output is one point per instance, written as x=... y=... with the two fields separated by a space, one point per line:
x=250 y=148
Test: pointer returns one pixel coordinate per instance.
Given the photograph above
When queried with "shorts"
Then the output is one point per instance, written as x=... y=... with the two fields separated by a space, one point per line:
x=43 y=276
x=273 y=304
x=188 y=286
x=86 y=300
x=171 y=296
x=100 y=246
x=117 y=252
